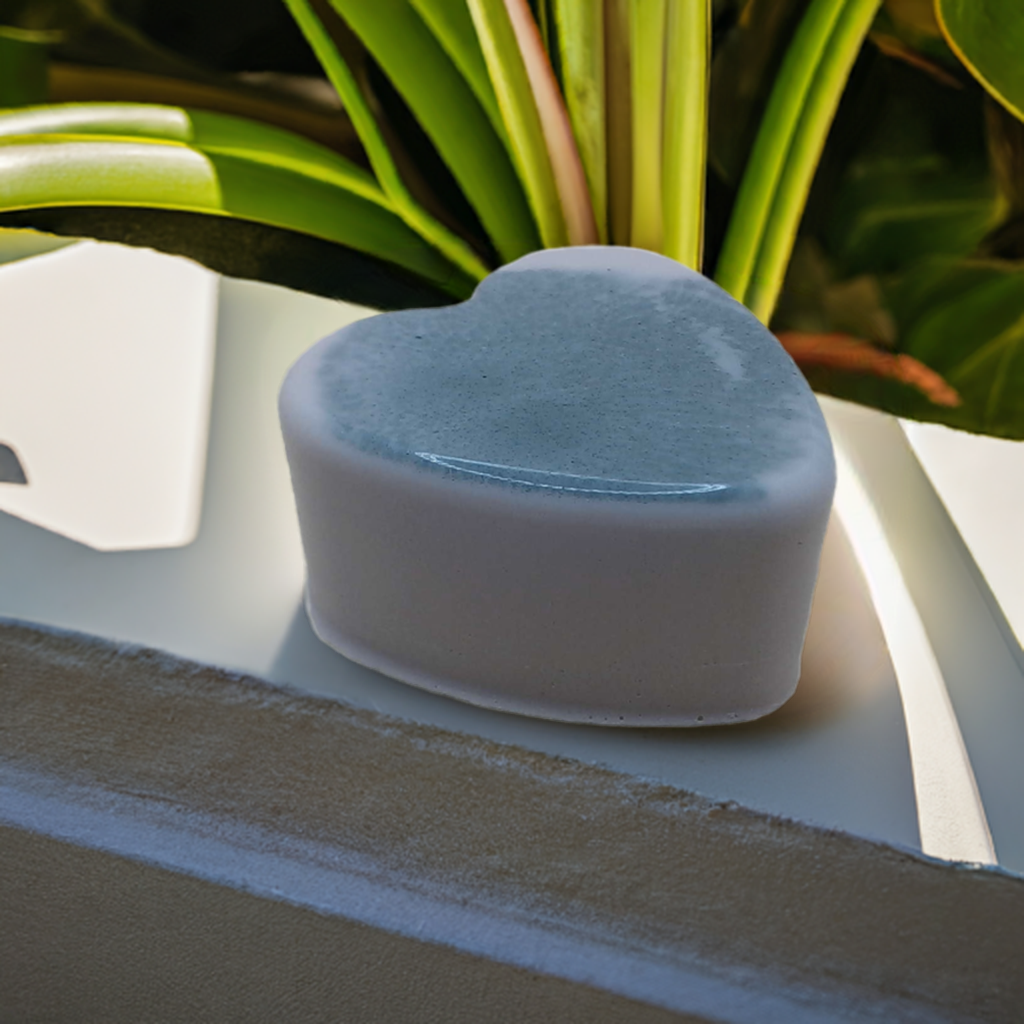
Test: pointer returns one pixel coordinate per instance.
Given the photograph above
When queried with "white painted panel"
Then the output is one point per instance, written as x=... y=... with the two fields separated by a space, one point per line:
x=106 y=360
x=981 y=482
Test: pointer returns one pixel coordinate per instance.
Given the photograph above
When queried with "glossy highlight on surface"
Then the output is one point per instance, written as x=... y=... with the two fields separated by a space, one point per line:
x=571 y=482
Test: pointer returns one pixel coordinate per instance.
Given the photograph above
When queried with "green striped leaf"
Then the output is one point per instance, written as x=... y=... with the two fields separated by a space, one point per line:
x=619 y=121
x=452 y=24
x=647 y=74
x=449 y=113
x=566 y=166
x=522 y=120
x=580 y=32
x=688 y=57
x=372 y=138
x=207 y=131
x=221 y=170
x=767 y=159
x=804 y=154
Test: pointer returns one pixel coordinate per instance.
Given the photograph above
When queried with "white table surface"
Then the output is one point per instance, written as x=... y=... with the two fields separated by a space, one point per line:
x=837 y=757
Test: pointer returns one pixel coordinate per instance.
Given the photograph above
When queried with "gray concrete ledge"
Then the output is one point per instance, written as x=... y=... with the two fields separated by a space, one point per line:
x=180 y=843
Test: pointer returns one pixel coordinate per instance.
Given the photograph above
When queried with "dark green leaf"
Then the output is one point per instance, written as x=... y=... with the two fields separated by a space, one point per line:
x=449 y=113
x=742 y=69
x=402 y=200
x=966 y=321
x=452 y=24
x=893 y=213
x=22 y=67
x=240 y=248
x=988 y=36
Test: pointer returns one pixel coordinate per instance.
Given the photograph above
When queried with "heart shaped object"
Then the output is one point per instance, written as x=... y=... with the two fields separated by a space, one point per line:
x=595 y=492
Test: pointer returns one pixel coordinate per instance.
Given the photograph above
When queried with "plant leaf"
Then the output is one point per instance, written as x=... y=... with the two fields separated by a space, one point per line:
x=647 y=90
x=207 y=131
x=236 y=174
x=452 y=24
x=448 y=112
x=566 y=166
x=580 y=31
x=511 y=81
x=892 y=213
x=75 y=83
x=988 y=36
x=767 y=163
x=405 y=205
x=965 y=321
x=619 y=120
x=808 y=142
x=242 y=248
x=688 y=52
x=745 y=61
x=22 y=67
x=854 y=355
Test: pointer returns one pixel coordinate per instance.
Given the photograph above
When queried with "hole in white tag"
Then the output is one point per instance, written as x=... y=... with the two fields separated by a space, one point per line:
x=11 y=469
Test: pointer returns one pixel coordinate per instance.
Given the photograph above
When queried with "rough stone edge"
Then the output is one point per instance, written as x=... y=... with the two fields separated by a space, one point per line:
x=518 y=857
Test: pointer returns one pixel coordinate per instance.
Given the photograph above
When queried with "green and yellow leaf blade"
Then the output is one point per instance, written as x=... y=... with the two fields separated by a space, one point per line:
x=688 y=74
x=205 y=130
x=450 y=114
x=804 y=153
x=404 y=203
x=452 y=24
x=196 y=162
x=766 y=163
x=647 y=72
x=581 y=41
x=522 y=121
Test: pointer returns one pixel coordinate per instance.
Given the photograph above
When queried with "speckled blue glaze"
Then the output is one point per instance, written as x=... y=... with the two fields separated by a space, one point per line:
x=592 y=372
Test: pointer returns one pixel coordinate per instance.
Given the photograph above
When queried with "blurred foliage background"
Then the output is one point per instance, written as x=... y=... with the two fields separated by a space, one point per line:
x=905 y=285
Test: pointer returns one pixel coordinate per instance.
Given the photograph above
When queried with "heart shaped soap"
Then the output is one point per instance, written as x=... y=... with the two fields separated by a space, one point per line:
x=596 y=492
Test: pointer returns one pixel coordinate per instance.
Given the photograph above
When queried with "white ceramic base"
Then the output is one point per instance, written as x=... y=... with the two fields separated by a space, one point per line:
x=502 y=522
x=835 y=754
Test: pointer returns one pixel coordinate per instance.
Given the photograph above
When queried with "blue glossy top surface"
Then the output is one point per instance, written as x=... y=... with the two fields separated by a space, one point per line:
x=597 y=372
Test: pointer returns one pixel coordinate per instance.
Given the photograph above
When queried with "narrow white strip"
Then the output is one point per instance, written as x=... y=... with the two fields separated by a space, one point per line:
x=334 y=881
x=950 y=814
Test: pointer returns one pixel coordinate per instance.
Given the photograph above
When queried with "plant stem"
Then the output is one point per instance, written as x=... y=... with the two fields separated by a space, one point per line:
x=507 y=68
x=688 y=49
x=619 y=120
x=339 y=75
x=805 y=154
x=580 y=33
x=566 y=165
x=647 y=73
x=768 y=156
